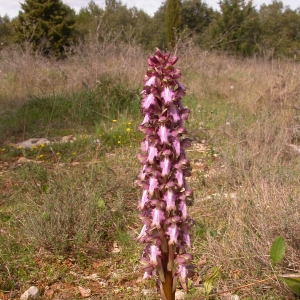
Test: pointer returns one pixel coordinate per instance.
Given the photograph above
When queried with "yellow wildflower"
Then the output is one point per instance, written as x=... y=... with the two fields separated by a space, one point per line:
x=127 y=129
x=114 y=121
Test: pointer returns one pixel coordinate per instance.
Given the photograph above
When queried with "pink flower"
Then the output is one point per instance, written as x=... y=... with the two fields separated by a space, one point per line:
x=167 y=94
x=148 y=101
x=144 y=199
x=143 y=232
x=173 y=233
x=163 y=133
x=152 y=153
x=170 y=197
x=176 y=145
x=153 y=184
x=154 y=253
x=165 y=166
x=150 y=81
x=179 y=177
x=157 y=217
x=174 y=113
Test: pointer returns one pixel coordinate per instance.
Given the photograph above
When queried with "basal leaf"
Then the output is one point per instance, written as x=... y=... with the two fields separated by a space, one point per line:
x=293 y=284
x=277 y=250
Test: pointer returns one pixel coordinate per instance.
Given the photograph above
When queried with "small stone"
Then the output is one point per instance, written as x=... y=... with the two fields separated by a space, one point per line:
x=179 y=295
x=230 y=297
x=147 y=292
x=85 y=293
x=67 y=139
x=116 y=248
x=30 y=143
x=23 y=160
x=31 y=293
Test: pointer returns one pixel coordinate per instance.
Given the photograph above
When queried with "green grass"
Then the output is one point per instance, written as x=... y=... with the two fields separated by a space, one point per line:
x=76 y=113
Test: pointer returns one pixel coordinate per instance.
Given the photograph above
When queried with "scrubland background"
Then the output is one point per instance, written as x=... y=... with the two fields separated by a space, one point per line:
x=69 y=210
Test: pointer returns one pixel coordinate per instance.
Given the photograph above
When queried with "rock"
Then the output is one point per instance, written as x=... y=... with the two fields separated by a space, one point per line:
x=32 y=142
x=31 y=293
x=85 y=293
x=24 y=160
x=147 y=292
x=179 y=295
x=230 y=297
x=116 y=248
x=68 y=139
x=294 y=148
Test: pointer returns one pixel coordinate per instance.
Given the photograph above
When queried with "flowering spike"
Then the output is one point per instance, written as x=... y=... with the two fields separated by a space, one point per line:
x=165 y=195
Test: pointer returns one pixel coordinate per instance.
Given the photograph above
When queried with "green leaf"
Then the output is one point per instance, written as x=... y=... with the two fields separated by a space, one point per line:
x=209 y=281
x=277 y=250
x=293 y=284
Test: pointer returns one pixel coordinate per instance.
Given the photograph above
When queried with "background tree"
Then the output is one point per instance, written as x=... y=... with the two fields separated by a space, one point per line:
x=6 y=31
x=196 y=16
x=172 y=20
x=47 y=24
x=236 y=29
x=89 y=19
x=280 y=30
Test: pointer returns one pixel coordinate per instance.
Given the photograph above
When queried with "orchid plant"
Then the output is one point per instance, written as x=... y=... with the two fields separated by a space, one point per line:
x=165 y=195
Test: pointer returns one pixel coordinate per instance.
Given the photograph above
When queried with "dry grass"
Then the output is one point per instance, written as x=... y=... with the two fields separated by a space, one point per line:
x=250 y=196
x=23 y=74
x=248 y=111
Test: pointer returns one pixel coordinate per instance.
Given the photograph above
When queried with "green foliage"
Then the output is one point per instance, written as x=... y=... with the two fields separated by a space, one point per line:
x=53 y=114
x=6 y=31
x=293 y=284
x=280 y=30
x=211 y=277
x=195 y=15
x=172 y=21
x=47 y=24
x=88 y=20
x=277 y=250
x=239 y=28
x=235 y=30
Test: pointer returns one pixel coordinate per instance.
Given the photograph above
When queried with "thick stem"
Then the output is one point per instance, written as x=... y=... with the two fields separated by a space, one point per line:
x=167 y=290
x=167 y=286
